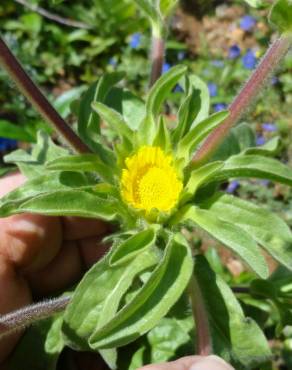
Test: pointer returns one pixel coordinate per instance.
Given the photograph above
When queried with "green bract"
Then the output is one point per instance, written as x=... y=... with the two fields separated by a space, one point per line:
x=150 y=263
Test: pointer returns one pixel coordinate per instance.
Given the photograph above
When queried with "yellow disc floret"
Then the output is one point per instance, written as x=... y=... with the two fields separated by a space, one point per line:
x=150 y=180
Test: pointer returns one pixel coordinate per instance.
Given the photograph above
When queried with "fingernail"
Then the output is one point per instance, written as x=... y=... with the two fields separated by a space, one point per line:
x=211 y=363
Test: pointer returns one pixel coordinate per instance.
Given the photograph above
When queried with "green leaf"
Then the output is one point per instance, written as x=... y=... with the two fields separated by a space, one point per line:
x=199 y=177
x=130 y=106
x=198 y=133
x=263 y=226
x=129 y=249
x=202 y=97
x=162 y=138
x=168 y=336
x=162 y=88
x=79 y=203
x=10 y=131
x=234 y=337
x=167 y=6
x=152 y=302
x=229 y=234
x=152 y=12
x=88 y=120
x=40 y=347
x=270 y=148
x=11 y=203
x=255 y=166
x=194 y=108
x=255 y=3
x=114 y=119
x=156 y=97
x=98 y=296
x=83 y=163
x=281 y=15
x=32 y=165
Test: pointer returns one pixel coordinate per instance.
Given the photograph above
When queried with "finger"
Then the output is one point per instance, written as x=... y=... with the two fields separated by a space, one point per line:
x=192 y=363
x=92 y=250
x=75 y=228
x=63 y=271
x=14 y=293
x=29 y=241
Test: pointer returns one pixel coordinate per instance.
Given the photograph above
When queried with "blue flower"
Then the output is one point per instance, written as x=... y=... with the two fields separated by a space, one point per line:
x=218 y=63
x=249 y=60
x=234 y=52
x=181 y=55
x=260 y=140
x=247 y=23
x=219 y=107
x=269 y=127
x=166 y=67
x=113 y=61
x=232 y=187
x=7 y=144
x=213 y=89
x=178 y=89
x=274 y=80
x=135 y=40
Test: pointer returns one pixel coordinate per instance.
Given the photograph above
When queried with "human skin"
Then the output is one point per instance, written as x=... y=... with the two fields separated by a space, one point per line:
x=40 y=255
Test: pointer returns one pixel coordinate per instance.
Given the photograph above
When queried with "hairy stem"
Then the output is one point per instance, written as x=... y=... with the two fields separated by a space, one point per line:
x=24 y=317
x=53 y=17
x=157 y=58
x=14 y=69
x=203 y=336
x=246 y=97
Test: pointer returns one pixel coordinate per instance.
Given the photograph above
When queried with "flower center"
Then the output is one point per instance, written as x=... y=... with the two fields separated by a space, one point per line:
x=150 y=181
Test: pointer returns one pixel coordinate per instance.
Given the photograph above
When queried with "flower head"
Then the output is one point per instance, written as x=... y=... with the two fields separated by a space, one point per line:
x=249 y=60
x=150 y=181
x=135 y=40
x=247 y=23
x=166 y=67
x=219 y=107
x=7 y=144
x=234 y=52
x=213 y=89
x=260 y=140
x=269 y=127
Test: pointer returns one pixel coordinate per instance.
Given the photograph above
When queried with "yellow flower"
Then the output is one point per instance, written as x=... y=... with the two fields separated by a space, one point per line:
x=150 y=180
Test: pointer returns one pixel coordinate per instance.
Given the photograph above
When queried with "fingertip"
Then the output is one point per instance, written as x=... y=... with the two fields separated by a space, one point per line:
x=30 y=241
x=91 y=250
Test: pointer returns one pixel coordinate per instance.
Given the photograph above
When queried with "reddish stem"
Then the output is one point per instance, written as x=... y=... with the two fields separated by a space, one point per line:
x=203 y=335
x=157 y=57
x=16 y=72
x=246 y=97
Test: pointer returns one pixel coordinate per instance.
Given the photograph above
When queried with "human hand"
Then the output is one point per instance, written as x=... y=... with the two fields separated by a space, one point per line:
x=192 y=363
x=42 y=255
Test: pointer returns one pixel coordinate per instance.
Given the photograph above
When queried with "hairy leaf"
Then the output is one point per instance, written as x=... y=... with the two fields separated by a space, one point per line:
x=234 y=337
x=152 y=302
x=231 y=235
x=265 y=227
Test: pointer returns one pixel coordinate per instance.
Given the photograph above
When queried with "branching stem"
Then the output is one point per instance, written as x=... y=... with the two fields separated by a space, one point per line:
x=203 y=335
x=246 y=97
x=16 y=72
x=157 y=58
x=24 y=317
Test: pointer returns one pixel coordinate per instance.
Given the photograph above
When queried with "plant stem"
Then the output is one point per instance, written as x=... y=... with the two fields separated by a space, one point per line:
x=246 y=97
x=22 y=318
x=53 y=17
x=16 y=72
x=203 y=336
x=157 y=58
